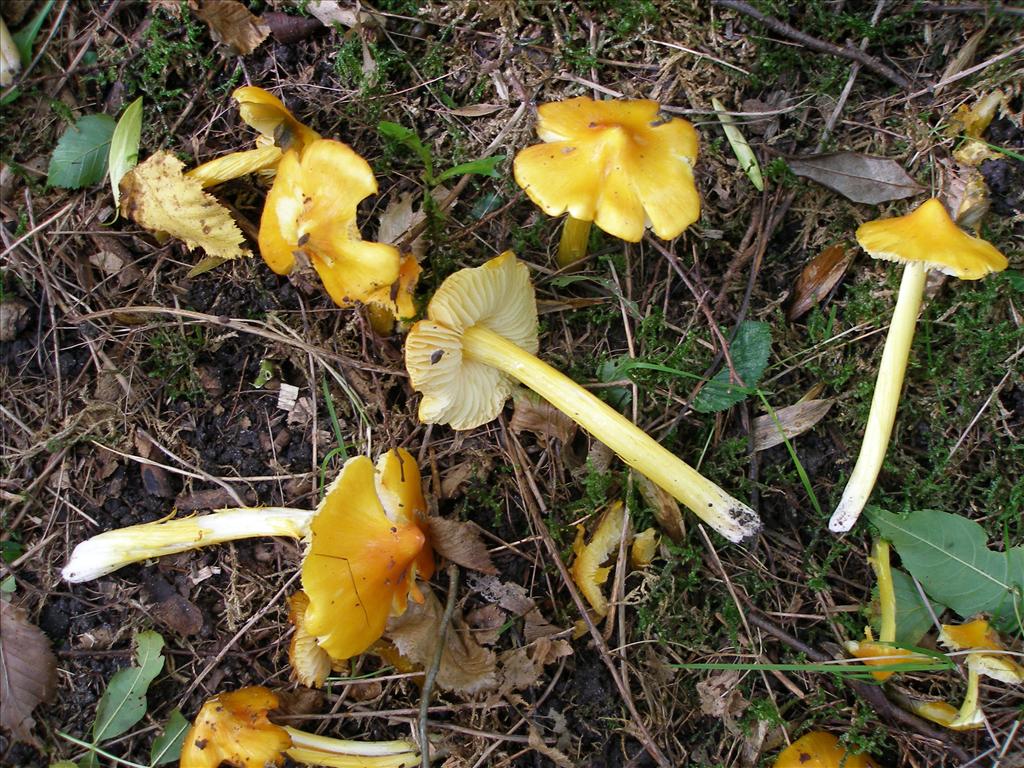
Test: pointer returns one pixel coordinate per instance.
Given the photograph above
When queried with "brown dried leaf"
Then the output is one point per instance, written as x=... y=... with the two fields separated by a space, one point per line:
x=398 y=218
x=793 y=419
x=818 y=278
x=288 y=29
x=486 y=622
x=330 y=12
x=536 y=741
x=858 y=177
x=466 y=666
x=157 y=196
x=231 y=23
x=521 y=668
x=460 y=542
x=478 y=110
x=665 y=508
x=534 y=414
x=28 y=672
x=510 y=596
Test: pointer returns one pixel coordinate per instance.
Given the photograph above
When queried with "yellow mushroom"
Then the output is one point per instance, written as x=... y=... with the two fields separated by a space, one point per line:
x=623 y=165
x=234 y=728
x=925 y=239
x=819 y=749
x=480 y=337
x=587 y=570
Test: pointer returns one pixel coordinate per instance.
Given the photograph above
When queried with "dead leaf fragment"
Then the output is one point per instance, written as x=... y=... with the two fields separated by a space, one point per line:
x=665 y=508
x=536 y=742
x=231 y=23
x=156 y=195
x=460 y=542
x=398 y=218
x=793 y=420
x=477 y=110
x=534 y=414
x=28 y=672
x=330 y=12
x=14 y=317
x=288 y=29
x=818 y=278
x=858 y=177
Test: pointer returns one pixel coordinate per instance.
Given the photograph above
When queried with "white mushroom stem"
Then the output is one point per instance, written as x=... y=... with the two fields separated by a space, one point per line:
x=888 y=386
x=731 y=518
x=320 y=748
x=106 y=552
x=575 y=238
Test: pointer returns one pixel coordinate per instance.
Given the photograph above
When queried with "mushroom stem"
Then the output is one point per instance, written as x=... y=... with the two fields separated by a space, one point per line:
x=111 y=550
x=886 y=397
x=970 y=713
x=312 y=749
x=886 y=591
x=573 y=245
x=731 y=518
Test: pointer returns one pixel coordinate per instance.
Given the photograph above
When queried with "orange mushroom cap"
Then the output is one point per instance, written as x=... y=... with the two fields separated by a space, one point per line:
x=819 y=749
x=587 y=570
x=929 y=235
x=233 y=728
x=368 y=543
x=311 y=210
x=877 y=654
x=268 y=115
x=622 y=164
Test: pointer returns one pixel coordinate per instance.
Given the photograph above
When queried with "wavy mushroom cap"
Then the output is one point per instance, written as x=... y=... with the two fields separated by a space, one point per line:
x=362 y=564
x=929 y=235
x=948 y=716
x=310 y=663
x=622 y=164
x=311 y=211
x=233 y=728
x=878 y=654
x=979 y=637
x=456 y=391
x=587 y=570
x=819 y=749
x=268 y=115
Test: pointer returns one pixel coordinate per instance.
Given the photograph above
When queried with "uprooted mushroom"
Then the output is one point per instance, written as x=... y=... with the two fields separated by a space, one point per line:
x=480 y=337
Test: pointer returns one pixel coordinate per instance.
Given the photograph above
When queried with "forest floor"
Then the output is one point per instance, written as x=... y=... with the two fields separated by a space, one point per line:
x=130 y=389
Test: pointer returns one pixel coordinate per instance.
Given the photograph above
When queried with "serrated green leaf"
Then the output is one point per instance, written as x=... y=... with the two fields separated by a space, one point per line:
x=25 y=38
x=80 y=158
x=124 y=146
x=167 y=746
x=123 y=704
x=410 y=140
x=740 y=147
x=485 y=166
x=949 y=555
x=749 y=352
x=912 y=617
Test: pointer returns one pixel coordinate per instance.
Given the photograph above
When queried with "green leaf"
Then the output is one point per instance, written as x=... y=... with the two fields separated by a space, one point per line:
x=410 y=140
x=740 y=147
x=749 y=352
x=485 y=166
x=80 y=158
x=912 y=617
x=124 y=702
x=25 y=38
x=948 y=555
x=124 y=146
x=167 y=746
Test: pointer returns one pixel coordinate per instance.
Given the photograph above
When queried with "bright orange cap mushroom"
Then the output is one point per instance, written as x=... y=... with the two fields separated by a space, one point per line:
x=311 y=213
x=368 y=545
x=233 y=728
x=819 y=749
x=624 y=165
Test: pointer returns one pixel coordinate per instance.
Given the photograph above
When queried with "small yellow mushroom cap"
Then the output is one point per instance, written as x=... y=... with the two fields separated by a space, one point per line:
x=929 y=235
x=268 y=115
x=972 y=635
x=456 y=391
x=645 y=547
x=310 y=663
x=876 y=654
x=311 y=212
x=946 y=715
x=819 y=749
x=233 y=728
x=367 y=547
x=622 y=164
x=587 y=570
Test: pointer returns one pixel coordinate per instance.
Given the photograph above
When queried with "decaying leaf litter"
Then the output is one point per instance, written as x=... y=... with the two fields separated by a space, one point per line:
x=132 y=389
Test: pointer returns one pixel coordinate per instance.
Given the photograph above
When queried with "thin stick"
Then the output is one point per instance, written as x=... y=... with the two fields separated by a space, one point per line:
x=435 y=664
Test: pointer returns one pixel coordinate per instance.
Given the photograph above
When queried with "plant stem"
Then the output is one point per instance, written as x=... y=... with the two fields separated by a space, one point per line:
x=886 y=591
x=573 y=245
x=730 y=517
x=886 y=397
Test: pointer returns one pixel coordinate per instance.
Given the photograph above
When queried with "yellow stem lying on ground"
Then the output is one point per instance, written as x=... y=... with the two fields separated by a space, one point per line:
x=313 y=749
x=111 y=550
x=573 y=245
x=730 y=517
x=888 y=386
x=886 y=591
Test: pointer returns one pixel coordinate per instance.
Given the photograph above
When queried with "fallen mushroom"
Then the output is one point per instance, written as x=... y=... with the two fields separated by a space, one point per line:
x=479 y=339
x=310 y=215
x=622 y=165
x=882 y=652
x=925 y=239
x=367 y=544
x=587 y=570
x=234 y=728
x=819 y=749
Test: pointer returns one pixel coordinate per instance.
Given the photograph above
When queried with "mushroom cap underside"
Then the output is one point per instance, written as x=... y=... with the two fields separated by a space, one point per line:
x=929 y=235
x=233 y=728
x=622 y=164
x=458 y=391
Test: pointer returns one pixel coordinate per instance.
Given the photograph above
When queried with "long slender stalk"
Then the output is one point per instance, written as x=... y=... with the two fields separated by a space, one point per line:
x=730 y=517
x=111 y=550
x=573 y=245
x=888 y=386
x=886 y=591
x=327 y=744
